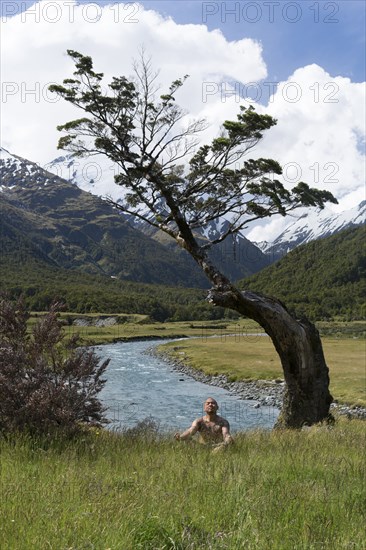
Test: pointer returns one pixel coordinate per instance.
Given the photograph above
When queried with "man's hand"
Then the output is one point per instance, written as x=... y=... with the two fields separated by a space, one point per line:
x=185 y=436
x=219 y=448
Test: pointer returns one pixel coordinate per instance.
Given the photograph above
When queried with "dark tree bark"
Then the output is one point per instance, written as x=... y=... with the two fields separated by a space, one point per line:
x=307 y=398
x=142 y=134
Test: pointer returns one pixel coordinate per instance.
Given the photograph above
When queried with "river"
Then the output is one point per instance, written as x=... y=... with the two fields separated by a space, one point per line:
x=140 y=385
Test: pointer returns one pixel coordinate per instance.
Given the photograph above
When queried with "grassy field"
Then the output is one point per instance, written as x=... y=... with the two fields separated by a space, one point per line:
x=139 y=326
x=254 y=357
x=270 y=491
x=129 y=326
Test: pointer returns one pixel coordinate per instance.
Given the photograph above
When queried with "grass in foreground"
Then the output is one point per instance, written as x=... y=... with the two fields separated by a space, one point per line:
x=254 y=357
x=270 y=491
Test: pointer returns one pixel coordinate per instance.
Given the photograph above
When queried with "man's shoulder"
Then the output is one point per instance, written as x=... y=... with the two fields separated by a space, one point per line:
x=199 y=421
x=222 y=420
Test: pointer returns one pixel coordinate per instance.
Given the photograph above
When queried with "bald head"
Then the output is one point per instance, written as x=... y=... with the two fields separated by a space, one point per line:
x=210 y=405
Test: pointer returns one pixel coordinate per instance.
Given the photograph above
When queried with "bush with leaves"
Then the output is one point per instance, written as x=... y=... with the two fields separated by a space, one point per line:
x=47 y=384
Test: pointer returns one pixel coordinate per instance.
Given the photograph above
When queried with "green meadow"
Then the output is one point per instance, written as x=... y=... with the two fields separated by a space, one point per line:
x=131 y=326
x=253 y=357
x=270 y=491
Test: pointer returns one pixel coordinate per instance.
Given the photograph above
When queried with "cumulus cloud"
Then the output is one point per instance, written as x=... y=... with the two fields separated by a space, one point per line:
x=33 y=56
x=318 y=137
x=321 y=118
x=320 y=122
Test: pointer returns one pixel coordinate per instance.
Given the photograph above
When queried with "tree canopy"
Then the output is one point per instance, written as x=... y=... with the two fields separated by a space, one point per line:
x=174 y=183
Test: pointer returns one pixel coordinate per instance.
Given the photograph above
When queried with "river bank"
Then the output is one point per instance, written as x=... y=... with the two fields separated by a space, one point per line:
x=261 y=392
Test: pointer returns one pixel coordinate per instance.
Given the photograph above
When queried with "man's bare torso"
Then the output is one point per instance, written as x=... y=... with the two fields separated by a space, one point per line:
x=211 y=431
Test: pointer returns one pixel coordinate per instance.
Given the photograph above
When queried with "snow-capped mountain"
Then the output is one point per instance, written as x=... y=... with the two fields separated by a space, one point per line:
x=46 y=189
x=311 y=225
x=50 y=221
x=95 y=174
x=19 y=168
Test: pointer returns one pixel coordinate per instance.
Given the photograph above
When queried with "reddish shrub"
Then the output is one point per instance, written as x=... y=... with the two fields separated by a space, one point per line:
x=46 y=382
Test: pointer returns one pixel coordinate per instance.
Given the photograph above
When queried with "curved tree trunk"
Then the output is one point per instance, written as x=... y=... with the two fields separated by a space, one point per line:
x=307 y=398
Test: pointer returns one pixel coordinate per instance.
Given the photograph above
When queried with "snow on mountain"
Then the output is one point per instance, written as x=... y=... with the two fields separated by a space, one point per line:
x=18 y=165
x=94 y=174
x=311 y=225
x=17 y=169
x=15 y=162
x=5 y=155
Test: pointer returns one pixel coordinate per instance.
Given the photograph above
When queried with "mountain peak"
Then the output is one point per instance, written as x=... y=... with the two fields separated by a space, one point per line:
x=314 y=224
x=4 y=154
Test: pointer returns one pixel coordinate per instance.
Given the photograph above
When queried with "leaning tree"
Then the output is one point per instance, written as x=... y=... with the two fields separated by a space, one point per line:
x=179 y=186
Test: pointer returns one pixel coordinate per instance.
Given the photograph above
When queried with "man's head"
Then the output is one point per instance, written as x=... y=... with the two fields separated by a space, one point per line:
x=210 y=405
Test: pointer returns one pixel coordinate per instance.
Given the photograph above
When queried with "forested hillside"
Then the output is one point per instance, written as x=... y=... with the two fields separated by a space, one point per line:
x=322 y=279
x=28 y=271
x=73 y=229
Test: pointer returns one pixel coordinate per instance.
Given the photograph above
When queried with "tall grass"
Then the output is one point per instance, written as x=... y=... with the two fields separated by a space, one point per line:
x=271 y=490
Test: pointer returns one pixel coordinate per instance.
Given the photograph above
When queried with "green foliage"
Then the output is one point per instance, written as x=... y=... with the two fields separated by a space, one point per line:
x=143 y=134
x=322 y=279
x=42 y=284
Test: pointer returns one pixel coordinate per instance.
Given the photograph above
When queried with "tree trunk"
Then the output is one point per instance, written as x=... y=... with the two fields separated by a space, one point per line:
x=307 y=398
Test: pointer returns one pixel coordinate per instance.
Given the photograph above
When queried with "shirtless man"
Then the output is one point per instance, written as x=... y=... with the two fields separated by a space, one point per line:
x=212 y=428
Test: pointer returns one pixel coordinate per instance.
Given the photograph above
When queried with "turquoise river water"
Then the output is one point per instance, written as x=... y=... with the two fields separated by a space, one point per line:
x=140 y=385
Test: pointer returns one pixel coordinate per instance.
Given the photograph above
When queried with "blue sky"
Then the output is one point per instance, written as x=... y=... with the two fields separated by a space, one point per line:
x=293 y=34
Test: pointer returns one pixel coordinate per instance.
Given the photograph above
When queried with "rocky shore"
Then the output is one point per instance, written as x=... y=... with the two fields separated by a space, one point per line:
x=261 y=392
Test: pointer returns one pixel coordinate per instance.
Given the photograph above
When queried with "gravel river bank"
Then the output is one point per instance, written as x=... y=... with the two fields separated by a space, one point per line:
x=262 y=392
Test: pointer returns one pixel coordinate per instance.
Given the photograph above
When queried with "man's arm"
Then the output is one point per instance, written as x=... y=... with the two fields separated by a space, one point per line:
x=188 y=433
x=226 y=436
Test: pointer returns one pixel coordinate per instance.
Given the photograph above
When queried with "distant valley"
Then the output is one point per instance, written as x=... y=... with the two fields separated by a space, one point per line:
x=58 y=240
x=74 y=229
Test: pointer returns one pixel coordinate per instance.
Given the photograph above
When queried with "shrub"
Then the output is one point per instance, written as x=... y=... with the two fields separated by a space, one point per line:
x=46 y=383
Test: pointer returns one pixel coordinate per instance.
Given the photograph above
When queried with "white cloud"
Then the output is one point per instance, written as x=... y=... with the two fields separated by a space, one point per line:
x=320 y=118
x=319 y=130
x=33 y=56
